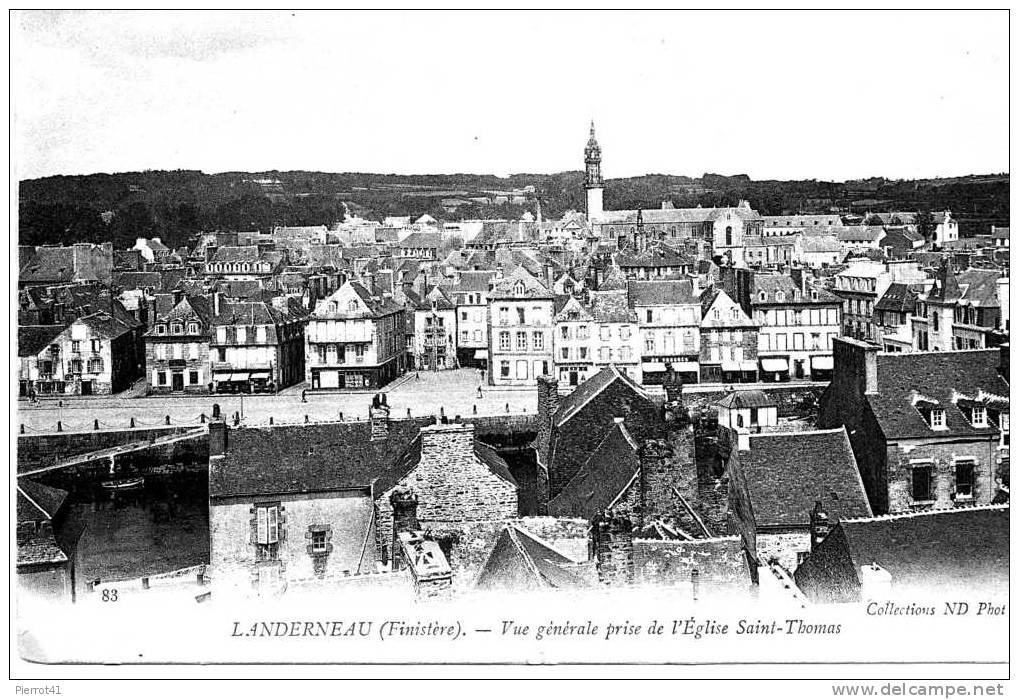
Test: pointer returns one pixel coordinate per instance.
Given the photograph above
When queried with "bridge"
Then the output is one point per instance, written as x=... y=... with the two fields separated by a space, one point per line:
x=112 y=453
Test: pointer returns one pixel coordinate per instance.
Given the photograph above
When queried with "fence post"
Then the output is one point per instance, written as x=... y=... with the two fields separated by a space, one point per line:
x=60 y=427
x=202 y=418
x=306 y=418
x=167 y=419
x=132 y=422
x=22 y=428
x=95 y=424
x=270 y=420
x=475 y=408
x=408 y=412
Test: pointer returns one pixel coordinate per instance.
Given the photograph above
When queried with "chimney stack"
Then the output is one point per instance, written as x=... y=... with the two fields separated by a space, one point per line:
x=449 y=442
x=405 y=519
x=820 y=526
x=613 y=548
x=218 y=435
x=217 y=300
x=378 y=416
x=658 y=475
x=429 y=567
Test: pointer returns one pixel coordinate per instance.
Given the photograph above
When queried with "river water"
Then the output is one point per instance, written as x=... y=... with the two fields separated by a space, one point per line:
x=160 y=527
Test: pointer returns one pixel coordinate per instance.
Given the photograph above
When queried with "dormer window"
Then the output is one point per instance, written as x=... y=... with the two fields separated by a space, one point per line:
x=193 y=328
x=762 y=296
x=937 y=419
x=780 y=296
x=352 y=306
x=160 y=329
x=813 y=294
x=177 y=329
x=518 y=288
x=978 y=416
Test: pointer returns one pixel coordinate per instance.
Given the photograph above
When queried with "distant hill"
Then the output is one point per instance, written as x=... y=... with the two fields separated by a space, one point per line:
x=177 y=204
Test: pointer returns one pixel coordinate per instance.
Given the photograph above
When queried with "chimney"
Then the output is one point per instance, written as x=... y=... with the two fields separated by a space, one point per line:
x=217 y=300
x=673 y=386
x=742 y=438
x=855 y=362
x=429 y=568
x=658 y=475
x=451 y=443
x=820 y=526
x=405 y=519
x=378 y=416
x=613 y=548
x=548 y=404
x=218 y=435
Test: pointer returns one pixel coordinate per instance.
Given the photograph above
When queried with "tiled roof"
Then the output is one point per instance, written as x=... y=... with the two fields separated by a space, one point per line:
x=661 y=293
x=37 y=501
x=819 y=243
x=106 y=325
x=606 y=473
x=980 y=287
x=786 y=473
x=747 y=399
x=858 y=234
x=773 y=284
x=951 y=548
x=611 y=307
x=658 y=256
x=936 y=375
x=899 y=298
x=313 y=458
x=33 y=339
x=421 y=239
x=48 y=264
x=521 y=561
x=507 y=287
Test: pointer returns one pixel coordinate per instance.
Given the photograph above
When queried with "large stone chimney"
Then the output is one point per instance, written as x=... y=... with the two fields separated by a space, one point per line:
x=548 y=404
x=855 y=365
x=658 y=475
x=378 y=417
x=451 y=443
x=405 y=519
x=613 y=548
x=429 y=568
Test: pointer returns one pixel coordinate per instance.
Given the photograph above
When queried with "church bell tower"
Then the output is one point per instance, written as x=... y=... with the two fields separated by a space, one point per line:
x=592 y=176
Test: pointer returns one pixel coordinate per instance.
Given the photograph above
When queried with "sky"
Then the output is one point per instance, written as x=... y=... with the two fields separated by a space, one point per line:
x=774 y=95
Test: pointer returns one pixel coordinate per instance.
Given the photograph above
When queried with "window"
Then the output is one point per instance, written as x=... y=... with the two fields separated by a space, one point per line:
x=937 y=419
x=221 y=335
x=242 y=335
x=463 y=315
x=160 y=351
x=934 y=320
x=583 y=353
x=624 y=332
x=503 y=315
x=521 y=341
x=922 y=485
x=352 y=305
x=76 y=345
x=162 y=378
x=728 y=235
x=978 y=416
x=160 y=329
x=321 y=354
x=318 y=542
x=504 y=340
x=222 y=353
x=521 y=318
x=798 y=341
x=464 y=336
x=177 y=329
x=566 y=352
x=193 y=378
x=193 y=328
x=539 y=340
x=96 y=344
x=260 y=334
x=649 y=343
x=504 y=369
x=193 y=350
x=565 y=332
x=95 y=365
x=178 y=350
x=267 y=531
x=650 y=316
x=624 y=354
x=964 y=479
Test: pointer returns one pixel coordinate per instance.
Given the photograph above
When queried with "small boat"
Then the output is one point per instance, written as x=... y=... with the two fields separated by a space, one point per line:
x=124 y=483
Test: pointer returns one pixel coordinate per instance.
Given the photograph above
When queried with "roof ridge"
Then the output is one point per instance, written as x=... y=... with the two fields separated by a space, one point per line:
x=831 y=430
x=924 y=513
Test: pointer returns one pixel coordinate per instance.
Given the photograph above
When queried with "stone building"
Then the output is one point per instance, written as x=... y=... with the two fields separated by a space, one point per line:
x=968 y=310
x=257 y=346
x=669 y=317
x=929 y=430
x=728 y=341
x=355 y=339
x=177 y=347
x=861 y=286
x=774 y=481
x=591 y=336
x=470 y=294
x=97 y=354
x=520 y=330
x=455 y=480
x=243 y=262
x=435 y=332
x=47 y=558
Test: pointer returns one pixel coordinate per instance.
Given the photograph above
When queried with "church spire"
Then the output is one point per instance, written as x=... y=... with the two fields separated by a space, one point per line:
x=592 y=176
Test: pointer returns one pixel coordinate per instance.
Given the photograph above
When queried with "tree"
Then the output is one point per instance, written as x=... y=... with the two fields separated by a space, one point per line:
x=925 y=225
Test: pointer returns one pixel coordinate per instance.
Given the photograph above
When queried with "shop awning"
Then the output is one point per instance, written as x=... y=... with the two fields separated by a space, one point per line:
x=481 y=354
x=239 y=376
x=824 y=363
x=730 y=366
x=263 y=375
x=748 y=365
x=774 y=364
x=653 y=366
x=222 y=374
x=686 y=366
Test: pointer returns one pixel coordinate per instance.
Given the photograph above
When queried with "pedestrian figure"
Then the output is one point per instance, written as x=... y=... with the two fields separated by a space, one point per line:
x=417 y=375
x=304 y=396
x=479 y=392
x=482 y=375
